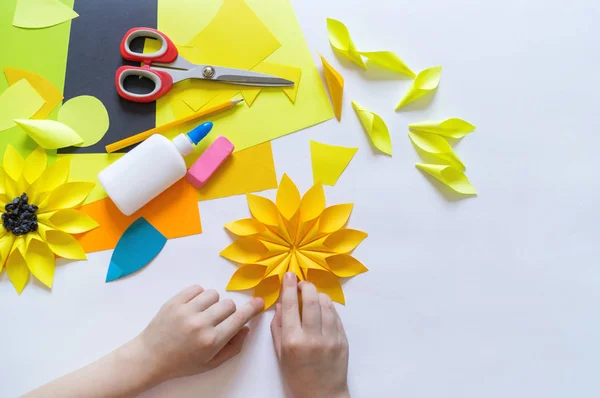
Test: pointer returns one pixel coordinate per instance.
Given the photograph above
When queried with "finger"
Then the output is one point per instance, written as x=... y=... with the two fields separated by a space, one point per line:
x=230 y=326
x=231 y=348
x=290 y=315
x=276 y=330
x=328 y=316
x=204 y=300
x=340 y=326
x=311 y=308
x=187 y=294
x=218 y=312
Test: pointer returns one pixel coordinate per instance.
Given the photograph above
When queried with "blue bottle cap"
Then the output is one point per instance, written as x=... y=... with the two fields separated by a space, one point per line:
x=197 y=134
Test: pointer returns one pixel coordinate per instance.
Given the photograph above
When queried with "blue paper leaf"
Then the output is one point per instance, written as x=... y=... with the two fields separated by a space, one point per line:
x=139 y=244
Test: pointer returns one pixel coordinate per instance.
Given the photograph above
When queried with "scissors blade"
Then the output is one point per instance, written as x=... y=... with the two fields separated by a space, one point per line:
x=249 y=78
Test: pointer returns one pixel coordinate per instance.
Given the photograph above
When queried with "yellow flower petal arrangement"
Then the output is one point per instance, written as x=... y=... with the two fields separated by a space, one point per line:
x=295 y=234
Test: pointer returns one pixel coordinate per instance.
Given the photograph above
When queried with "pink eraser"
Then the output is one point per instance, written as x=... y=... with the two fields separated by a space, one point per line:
x=209 y=162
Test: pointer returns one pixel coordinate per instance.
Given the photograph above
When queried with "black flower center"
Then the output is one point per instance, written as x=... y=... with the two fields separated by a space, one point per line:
x=19 y=216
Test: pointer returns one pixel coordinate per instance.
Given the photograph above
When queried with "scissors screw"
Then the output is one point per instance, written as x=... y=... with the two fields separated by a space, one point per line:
x=208 y=72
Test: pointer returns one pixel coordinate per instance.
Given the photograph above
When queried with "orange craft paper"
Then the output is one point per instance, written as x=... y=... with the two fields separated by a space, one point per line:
x=174 y=213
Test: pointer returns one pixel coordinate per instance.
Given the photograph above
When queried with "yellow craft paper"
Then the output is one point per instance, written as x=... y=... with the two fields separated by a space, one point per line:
x=340 y=40
x=329 y=161
x=388 y=60
x=41 y=13
x=50 y=134
x=436 y=146
x=375 y=127
x=335 y=84
x=284 y=71
x=250 y=94
x=450 y=176
x=451 y=128
x=87 y=116
x=426 y=82
x=19 y=101
x=48 y=91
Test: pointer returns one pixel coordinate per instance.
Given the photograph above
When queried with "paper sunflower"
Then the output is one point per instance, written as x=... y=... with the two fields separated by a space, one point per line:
x=298 y=235
x=38 y=217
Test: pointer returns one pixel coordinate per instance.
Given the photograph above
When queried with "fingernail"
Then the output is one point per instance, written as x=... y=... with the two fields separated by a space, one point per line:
x=259 y=301
x=290 y=277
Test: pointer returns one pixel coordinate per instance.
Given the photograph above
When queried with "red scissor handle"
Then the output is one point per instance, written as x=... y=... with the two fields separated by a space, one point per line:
x=162 y=83
x=167 y=53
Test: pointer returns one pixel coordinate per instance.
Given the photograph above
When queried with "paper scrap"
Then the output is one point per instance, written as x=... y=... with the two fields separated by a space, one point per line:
x=87 y=116
x=48 y=91
x=388 y=60
x=19 y=101
x=279 y=238
x=335 y=84
x=375 y=127
x=35 y=14
x=284 y=71
x=50 y=134
x=437 y=146
x=426 y=82
x=140 y=243
x=451 y=128
x=329 y=161
x=452 y=177
x=340 y=40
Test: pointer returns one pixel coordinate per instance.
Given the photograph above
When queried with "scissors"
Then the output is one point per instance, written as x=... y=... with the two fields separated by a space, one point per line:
x=166 y=67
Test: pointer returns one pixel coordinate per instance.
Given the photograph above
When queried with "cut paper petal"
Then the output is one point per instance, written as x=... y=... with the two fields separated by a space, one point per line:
x=340 y=40
x=50 y=134
x=250 y=94
x=344 y=240
x=375 y=127
x=451 y=176
x=451 y=128
x=16 y=269
x=345 y=266
x=19 y=101
x=425 y=82
x=87 y=116
x=329 y=161
x=388 y=60
x=245 y=227
x=335 y=84
x=41 y=262
x=48 y=91
x=436 y=146
x=13 y=163
x=70 y=221
x=68 y=195
x=327 y=283
x=244 y=251
x=56 y=174
x=35 y=14
x=312 y=204
x=35 y=164
x=140 y=243
x=6 y=243
x=268 y=289
x=284 y=71
x=334 y=217
x=64 y=245
x=263 y=209
x=288 y=197
x=246 y=277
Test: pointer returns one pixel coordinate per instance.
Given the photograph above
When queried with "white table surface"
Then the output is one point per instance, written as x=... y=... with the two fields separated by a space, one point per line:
x=494 y=296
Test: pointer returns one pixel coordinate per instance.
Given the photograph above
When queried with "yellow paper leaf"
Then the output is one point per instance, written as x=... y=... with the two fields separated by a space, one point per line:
x=50 y=134
x=70 y=221
x=335 y=217
x=451 y=128
x=245 y=250
x=48 y=91
x=340 y=40
x=19 y=101
x=345 y=266
x=327 y=283
x=263 y=209
x=288 y=197
x=64 y=245
x=246 y=277
x=426 y=82
x=35 y=164
x=13 y=163
x=268 y=289
x=388 y=60
x=375 y=127
x=335 y=84
x=329 y=161
x=344 y=240
x=284 y=71
x=87 y=116
x=16 y=268
x=67 y=196
x=451 y=176
x=436 y=146
x=245 y=227
x=37 y=14
x=41 y=261
x=312 y=204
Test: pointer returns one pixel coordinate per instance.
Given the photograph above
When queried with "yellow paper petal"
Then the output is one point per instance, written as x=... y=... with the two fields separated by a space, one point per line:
x=16 y=268
x=13 y=163
x=263 y=209
x=281 y=268
x=19 y=101
x=327 y=283
x=335 y=217
x=244 y=251
x=375 y=128
x=312 y=204
x=270 y=236
x=308 y=262
x=245 y=227
x=344 y=240
x=317 y=257
x=425 y=82
x=388 y=60
x=288 y=197
x=329 y=161
x=68 y=195
x=6 y=243
x=451 y=176
x=335 y=84
x=436 y=146
x=48 y=91
x=70 y=221
x=246 y=277
x=35 y=14
x=50 y=134
x=55 y=175
x=268 y=289
x=340 y=40
x=35 y=164
x=451 y=128
x=295 y=267
x=291 y=73
x=64 y=245
x=271 y=261
x=345 y=266
x=41 y=262
x=87 y=116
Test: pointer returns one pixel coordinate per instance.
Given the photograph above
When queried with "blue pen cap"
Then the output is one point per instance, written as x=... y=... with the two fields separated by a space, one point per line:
x=197 y=134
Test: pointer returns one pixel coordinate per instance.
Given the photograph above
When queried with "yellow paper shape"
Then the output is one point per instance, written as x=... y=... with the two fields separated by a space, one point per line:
x=375 y=127
x=340 y=40
x=329 y=161
x=452 y=177
x=388 y=60
x=278 y=239
x=50 y=134
x=87 y=116
x=250 y=94
x=451 y=128
x=48 y=91
x=287 y=72
x=436 y=146
x=335 y=84
x=19 y=101
x=36 y=14
x=426 y=82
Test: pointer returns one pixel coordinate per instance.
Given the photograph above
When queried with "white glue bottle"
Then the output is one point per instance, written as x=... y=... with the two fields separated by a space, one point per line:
x=149 y=169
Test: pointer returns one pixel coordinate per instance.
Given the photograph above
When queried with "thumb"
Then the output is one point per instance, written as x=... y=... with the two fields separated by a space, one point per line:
x=231 y=349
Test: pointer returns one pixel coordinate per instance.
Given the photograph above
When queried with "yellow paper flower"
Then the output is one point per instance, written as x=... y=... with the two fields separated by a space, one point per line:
x=298 y=235
x=38 y=218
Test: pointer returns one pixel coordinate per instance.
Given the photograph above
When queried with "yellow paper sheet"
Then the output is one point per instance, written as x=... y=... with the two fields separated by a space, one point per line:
x=48 y=91
x=427 y=81
x=450 y=176
x=451 y=128
x=41 y=13
x=87 y=116
x=50 y=134
x=375 y=127
x=436 y=146
x=285 y=71
x=329 y=161
x=335 y=84
x=19 y=101
x=250 y=94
